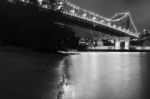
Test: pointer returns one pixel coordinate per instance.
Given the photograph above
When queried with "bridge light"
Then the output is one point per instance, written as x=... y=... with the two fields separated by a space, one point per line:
x=114 y=26
x=60 y=2
x=77 y=7
x=66 y=12
x=26 y=1
x=59 y=7
x=71 y=5
x=84 y=15
x=124 y=29
x=94 y=18
x=144 y=30
x=109 y=24
x=128 y=30
x=45 y=6
x=102 y=21
x=119 y=28
x=72 y=12
x=139 y=33
x=40 y=2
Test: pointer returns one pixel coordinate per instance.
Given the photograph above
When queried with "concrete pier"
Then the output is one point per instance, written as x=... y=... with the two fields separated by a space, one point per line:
x=122 y=43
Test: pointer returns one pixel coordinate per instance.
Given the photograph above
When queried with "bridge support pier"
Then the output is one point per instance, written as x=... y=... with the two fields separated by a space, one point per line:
x=122 y=43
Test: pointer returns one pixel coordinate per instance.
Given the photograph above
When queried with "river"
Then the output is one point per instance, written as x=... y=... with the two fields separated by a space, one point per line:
x=89 y=75
x=107 y=75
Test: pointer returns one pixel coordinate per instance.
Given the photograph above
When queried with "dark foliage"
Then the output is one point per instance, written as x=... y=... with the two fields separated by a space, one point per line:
x=29 y=27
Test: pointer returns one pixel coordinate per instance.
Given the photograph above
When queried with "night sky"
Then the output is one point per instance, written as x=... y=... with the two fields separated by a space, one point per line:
x=139 y=9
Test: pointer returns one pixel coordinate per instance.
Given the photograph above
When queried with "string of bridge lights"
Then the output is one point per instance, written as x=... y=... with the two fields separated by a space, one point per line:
x=96 y=16
x=90 y=16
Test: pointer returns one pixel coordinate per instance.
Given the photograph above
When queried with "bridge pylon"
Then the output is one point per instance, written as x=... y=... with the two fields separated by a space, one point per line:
x=122 y=43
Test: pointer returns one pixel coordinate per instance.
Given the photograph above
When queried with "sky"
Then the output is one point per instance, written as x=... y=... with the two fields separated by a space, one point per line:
x=139 y=9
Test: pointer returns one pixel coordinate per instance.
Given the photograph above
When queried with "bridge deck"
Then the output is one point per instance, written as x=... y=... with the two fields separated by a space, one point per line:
x=67 y=18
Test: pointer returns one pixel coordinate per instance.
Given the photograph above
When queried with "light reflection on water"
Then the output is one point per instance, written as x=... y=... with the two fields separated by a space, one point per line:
x=104 y=75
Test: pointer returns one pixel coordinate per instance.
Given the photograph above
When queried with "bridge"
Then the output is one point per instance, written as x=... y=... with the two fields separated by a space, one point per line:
x=120 y=25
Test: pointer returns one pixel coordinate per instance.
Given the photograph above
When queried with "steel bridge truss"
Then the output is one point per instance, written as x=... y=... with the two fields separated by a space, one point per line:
x=121 y=22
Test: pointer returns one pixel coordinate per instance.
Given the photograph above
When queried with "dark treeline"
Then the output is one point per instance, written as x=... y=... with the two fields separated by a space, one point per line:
x=29 y=27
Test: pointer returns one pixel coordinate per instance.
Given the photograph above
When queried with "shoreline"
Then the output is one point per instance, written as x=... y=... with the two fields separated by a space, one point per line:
x=26 y=51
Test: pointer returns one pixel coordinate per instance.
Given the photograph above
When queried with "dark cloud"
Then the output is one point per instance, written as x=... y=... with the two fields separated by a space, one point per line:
x=139 y=9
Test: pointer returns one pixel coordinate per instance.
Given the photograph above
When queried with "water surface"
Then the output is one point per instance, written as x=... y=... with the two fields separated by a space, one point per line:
x=108 y=75
x=26 y=74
